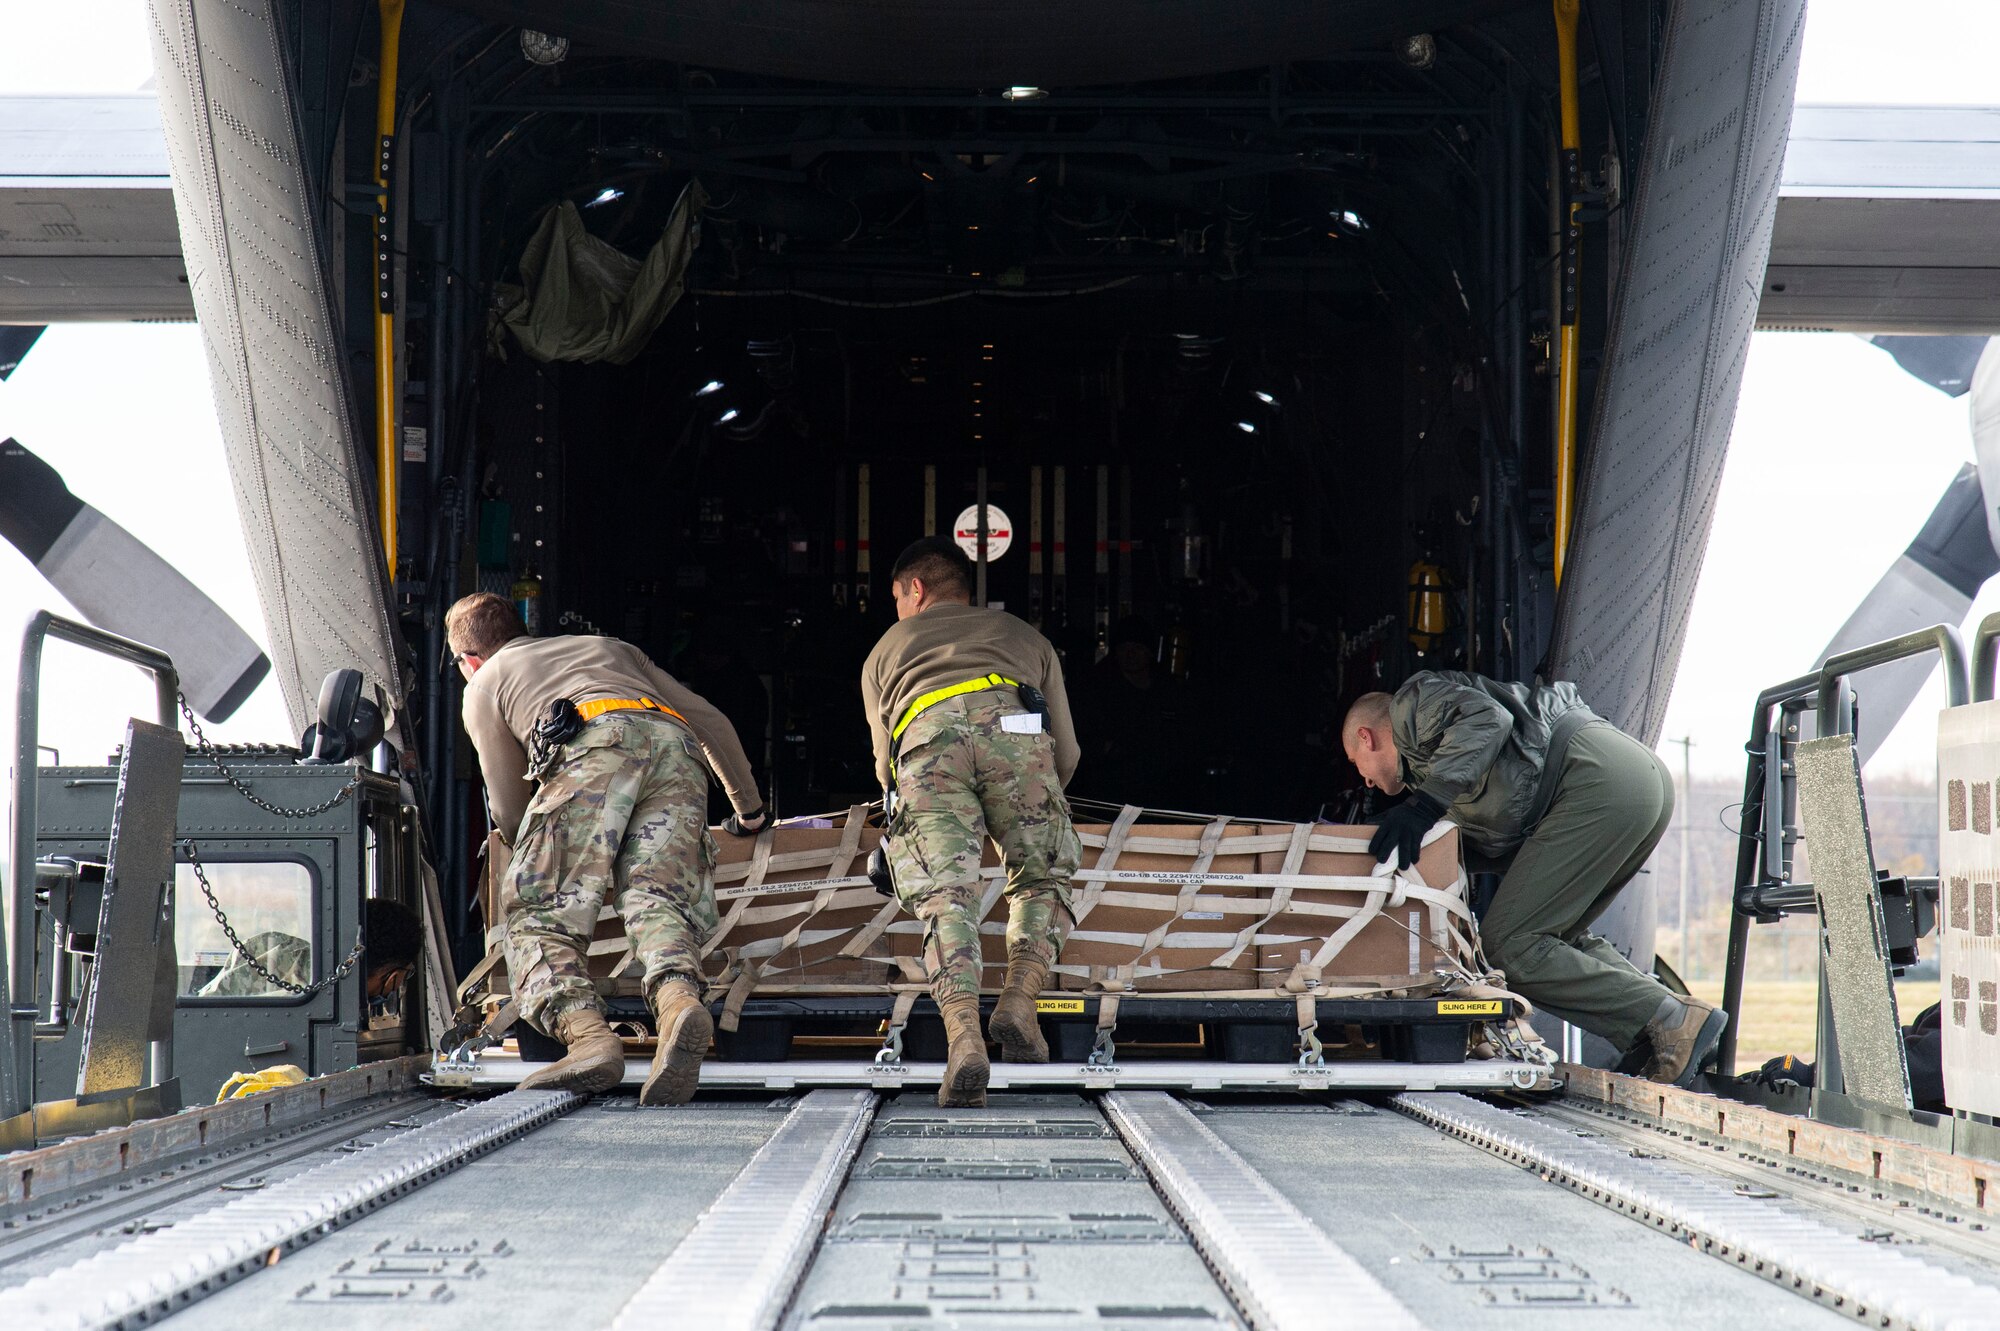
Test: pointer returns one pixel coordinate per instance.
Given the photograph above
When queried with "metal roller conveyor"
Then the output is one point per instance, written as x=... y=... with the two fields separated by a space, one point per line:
x=1846 y=1271
x=737 y=1270
x=1279 y=1268
x=162 y=1272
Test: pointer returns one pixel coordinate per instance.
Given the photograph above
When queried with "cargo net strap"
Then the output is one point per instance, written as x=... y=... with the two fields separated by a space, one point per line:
x=1282 y=929
x=1221 y=907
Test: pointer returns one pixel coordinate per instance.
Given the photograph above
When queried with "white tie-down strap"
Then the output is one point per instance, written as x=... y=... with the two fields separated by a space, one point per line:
x=785 y=912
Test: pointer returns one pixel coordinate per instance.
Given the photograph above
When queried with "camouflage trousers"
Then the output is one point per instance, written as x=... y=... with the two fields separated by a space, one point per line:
x=960 y=779
x=623 y=815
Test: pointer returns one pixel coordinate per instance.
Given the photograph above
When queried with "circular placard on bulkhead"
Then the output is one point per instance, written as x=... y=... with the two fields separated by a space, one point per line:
x=999 y=532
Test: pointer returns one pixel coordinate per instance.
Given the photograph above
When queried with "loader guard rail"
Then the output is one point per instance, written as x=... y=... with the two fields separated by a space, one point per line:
x=17 y=1039
x=1769 y=828
x=1985 y=657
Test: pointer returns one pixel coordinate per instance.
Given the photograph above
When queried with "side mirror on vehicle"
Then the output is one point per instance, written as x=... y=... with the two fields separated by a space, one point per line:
x=349 y=722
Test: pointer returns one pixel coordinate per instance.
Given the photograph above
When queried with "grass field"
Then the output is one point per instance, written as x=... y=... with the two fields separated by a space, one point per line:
x=1777 y=1016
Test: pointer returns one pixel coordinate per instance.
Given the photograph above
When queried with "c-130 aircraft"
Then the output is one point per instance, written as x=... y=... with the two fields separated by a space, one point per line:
x=1287 y=302
x=1255 y=320
x=1309 y=345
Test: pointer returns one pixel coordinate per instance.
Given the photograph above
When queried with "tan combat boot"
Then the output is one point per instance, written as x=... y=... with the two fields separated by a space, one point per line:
x=1015 y=1027
x=596 y=1058
x=684 y=1028
x=965 y=1067
x=1681 y=1050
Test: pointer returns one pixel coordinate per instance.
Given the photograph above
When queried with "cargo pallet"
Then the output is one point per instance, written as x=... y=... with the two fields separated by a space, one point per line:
x=1228 y=1030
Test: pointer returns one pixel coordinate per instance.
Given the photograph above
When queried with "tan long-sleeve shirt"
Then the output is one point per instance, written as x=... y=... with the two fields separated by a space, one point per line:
x=948 y=644
x=515 y=684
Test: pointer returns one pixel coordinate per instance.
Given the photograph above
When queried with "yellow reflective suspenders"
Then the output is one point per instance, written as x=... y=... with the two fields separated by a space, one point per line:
x=936 y=696
x=590 y=711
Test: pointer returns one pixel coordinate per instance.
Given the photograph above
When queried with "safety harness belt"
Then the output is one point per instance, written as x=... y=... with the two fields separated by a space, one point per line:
x=590 y=711
x=936 y=696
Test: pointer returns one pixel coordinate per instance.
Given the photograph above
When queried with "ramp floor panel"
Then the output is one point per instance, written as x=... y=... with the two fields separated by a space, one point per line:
x=1031 y=1209
x=556 y=1229
x=1468 y=1240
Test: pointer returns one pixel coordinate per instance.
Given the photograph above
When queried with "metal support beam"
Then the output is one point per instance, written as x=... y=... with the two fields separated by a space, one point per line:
x=495 y=1068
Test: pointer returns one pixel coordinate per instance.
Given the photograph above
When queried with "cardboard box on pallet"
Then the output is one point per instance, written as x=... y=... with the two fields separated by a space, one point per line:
x=773 y=907
x=1108 y=935
x=1394 y=946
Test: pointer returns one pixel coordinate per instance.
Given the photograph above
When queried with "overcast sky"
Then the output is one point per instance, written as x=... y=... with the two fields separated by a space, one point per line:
x=1831 y=438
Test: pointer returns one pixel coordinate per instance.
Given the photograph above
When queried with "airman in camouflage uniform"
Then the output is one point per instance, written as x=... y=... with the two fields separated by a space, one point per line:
x=970 y=758
x=621 y=817
x=621 y=813
x=960 y=779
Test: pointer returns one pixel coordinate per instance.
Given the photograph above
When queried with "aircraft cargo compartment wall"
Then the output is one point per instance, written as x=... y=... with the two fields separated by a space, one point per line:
x=1687 y=301
x=251 y=238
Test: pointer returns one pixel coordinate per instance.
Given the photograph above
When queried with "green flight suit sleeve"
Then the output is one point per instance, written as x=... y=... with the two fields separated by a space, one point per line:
x=1461 y=728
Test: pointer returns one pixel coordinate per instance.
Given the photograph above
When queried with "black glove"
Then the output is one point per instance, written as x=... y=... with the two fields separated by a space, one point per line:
x=1784 y=1068
x=744 y=824
x=1401 y=831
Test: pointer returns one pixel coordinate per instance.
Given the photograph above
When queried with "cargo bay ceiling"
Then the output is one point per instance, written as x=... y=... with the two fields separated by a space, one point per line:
x=1229 y=173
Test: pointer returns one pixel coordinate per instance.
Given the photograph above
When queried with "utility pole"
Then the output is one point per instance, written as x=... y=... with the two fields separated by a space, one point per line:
x=1687 y=789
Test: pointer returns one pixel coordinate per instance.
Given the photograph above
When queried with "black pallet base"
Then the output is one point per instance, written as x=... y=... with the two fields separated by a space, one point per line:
x=1406 y=1030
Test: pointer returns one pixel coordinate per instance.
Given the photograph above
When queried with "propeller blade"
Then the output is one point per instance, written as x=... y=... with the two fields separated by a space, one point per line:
x=1984 y=409
x=15 y=339
x=1932 y=582
x=121 y=585
x=1945 y=363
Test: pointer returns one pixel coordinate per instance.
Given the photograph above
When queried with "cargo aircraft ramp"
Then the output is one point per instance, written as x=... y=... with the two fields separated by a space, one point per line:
x=852 y=1208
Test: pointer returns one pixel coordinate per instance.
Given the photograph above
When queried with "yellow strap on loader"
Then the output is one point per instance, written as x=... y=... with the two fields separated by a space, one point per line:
x=250 y=1083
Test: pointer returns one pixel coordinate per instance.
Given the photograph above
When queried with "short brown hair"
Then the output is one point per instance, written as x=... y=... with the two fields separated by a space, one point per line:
x=481 y=624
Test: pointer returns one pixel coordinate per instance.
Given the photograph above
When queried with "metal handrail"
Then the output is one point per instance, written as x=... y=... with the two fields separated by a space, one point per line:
x=1761 y=851
x=1760 y=848
x=17 y=1033
x=1985 y=654
x=1940 y=638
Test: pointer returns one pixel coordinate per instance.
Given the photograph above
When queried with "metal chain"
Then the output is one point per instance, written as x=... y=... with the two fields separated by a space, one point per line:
x=340 y=972
x=208 y=751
